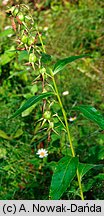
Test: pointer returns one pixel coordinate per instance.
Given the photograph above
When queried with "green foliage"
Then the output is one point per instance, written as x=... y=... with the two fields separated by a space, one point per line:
x=61 y=63
x=30 y=102
x=6 y=32
x=92 y=114
x=7 y=56
x=4 y=135
x=84 y=168
x=64 y=173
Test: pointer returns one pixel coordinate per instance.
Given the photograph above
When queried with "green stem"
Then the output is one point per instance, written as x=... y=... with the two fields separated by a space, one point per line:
x=41 y=41
x=64 y=114
x=65 y=119
x=68 y=132
x=80 y=185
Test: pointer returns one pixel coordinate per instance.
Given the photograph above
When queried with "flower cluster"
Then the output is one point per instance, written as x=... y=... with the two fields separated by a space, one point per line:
x=65 y=93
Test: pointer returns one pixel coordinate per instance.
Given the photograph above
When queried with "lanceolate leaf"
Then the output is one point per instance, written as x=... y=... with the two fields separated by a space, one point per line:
x=30 y=102
x=4 y=135
x=63 y=175
x=92 y=114
x=63 y=62
x=18 y=133
x=84 y=168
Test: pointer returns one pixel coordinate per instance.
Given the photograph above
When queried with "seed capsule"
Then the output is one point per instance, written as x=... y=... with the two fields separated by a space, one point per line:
x=32 y=58
x=47 y=115
x=24 y=39
x=31 y=41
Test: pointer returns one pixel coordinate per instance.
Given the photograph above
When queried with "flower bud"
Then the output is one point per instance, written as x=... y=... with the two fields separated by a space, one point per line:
x=32 y=58
x=24 y=39
x=47 y=115
x=30 y=41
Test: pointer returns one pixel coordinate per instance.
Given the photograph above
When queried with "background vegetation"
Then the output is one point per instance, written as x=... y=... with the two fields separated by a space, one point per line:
x=68 y=28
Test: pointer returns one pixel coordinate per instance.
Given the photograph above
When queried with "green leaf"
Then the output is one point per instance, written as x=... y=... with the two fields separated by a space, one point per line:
x=28 y=111
x=63 y=62
x=4 y=135
x=30 y=102
x=4 y=59
x=6 y=32
x=92 y=114
x=63 y=175
x=18 y=133
x=84 y=168
x=100 y=176
x=7 y=56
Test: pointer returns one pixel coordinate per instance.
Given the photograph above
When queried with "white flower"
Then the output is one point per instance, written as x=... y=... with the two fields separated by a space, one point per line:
x=71 y=119
x=45 y=28
x=65 y=93
x=42 y=153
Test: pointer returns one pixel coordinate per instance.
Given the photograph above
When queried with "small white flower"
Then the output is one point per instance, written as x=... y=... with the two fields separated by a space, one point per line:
x=42 y=153
x=71 y=119
x=45 y=28
x=65 y=93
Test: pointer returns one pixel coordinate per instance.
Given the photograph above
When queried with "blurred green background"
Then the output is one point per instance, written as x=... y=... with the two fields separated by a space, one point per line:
x=68 y=28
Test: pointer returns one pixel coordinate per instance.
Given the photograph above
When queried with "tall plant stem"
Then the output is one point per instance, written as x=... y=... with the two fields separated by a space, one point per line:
x=64 y=114
x=80 y=185
x=65 y=119
x=68 y=132
x=41 y=41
